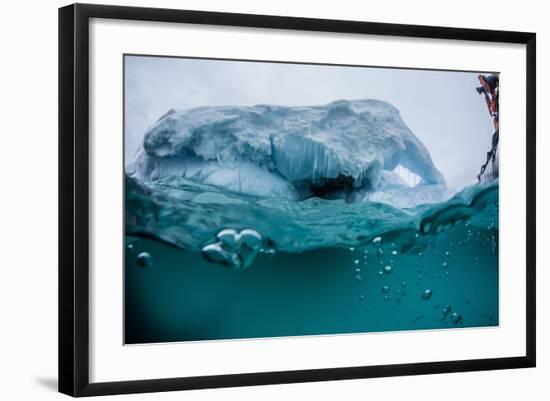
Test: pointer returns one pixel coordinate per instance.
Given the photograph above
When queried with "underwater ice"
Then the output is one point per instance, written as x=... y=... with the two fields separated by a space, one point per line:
x=344 y=149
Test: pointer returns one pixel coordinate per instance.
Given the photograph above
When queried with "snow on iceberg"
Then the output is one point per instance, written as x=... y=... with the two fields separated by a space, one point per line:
x=342 y=149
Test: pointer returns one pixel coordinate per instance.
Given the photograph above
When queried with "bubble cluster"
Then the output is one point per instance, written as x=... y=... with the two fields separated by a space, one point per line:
x=456 y=317
x=236 y=249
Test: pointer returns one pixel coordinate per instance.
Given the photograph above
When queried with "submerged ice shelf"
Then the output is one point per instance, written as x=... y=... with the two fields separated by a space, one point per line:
x=345 y=149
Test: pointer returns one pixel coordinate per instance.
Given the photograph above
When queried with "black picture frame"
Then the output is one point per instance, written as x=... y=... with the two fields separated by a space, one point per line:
x=74 y=201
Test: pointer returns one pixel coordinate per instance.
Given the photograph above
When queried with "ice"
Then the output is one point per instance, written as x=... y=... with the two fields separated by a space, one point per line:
x=242 y=177
x=409 y=197
x=340 y=149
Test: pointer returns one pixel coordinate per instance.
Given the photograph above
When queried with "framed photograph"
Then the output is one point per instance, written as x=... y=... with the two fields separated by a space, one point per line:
x=250 y=199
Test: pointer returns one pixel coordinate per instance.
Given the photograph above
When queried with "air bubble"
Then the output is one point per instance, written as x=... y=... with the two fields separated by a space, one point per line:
x=251 y=239
x=377 y=241
x=446 y=310
x=216 y=253
x=385 y=289
x=228 y=238
x=144 y=259
x=427 y=294
x=456 y=317
x=269 y=251
x=387 y=269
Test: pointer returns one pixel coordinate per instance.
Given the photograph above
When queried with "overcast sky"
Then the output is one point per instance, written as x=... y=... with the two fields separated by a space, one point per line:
x=442 y=108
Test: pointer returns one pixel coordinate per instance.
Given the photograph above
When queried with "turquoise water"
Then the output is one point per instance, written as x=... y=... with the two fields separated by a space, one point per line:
x=325 y=267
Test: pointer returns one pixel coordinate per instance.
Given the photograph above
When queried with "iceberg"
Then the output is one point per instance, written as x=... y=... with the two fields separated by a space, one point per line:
x=341 y=150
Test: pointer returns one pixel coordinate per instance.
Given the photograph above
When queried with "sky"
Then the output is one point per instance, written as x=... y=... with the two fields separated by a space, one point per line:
x=442 y=108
